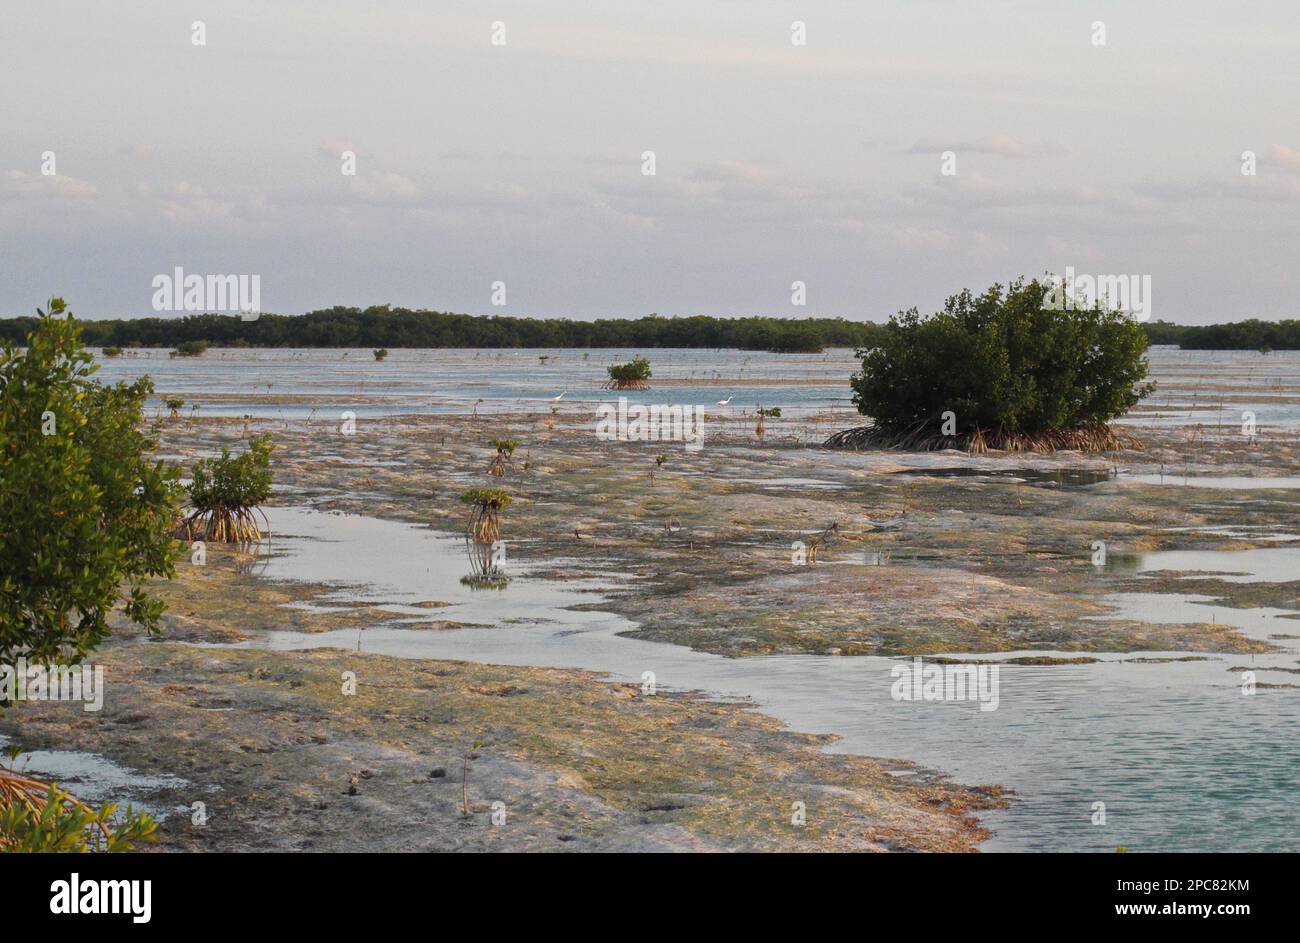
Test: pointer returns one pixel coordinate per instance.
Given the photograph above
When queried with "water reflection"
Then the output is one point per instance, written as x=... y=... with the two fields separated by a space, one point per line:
x=487 y=565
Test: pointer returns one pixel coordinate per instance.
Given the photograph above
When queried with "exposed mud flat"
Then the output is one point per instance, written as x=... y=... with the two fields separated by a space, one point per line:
x=283 y=759
x=1061 y=567
x=920 y=563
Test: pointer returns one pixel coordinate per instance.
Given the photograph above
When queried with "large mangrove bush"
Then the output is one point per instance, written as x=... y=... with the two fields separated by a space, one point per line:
x=85 y=515
x=1000 y=370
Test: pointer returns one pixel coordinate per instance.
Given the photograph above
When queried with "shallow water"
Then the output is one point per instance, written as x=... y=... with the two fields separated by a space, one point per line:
x=1078 y=477
x=236 y=382
x=95 y=779
x=1211 y=389
x=1233 y=482
x=1179 y=756
x=1267 y=564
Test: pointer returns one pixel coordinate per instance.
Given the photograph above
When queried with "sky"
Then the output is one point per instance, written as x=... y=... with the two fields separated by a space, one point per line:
x=521 y=162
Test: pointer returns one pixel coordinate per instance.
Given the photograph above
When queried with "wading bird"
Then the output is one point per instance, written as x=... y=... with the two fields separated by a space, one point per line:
x=724 y=402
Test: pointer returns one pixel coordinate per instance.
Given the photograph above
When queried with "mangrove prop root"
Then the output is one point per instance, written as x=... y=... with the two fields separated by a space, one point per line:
x=34 y=795
x=226 y=525
x=484 y=525
x=1090 y=437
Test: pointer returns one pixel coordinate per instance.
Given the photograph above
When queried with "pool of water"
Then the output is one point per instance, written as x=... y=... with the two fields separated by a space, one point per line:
x=95 y=779
x=1180 y=757
x=1233 y=482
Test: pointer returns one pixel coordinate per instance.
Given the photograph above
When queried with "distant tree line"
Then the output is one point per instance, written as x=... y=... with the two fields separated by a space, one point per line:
x=381 y=327
x=1240 y=335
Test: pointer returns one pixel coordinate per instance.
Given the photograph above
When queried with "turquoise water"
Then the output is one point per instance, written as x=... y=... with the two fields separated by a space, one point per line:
x=1181 y=758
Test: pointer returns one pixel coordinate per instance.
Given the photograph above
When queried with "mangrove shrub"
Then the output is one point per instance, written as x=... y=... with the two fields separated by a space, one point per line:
x=1000 y=370
x=226 y=492
x=85 y=514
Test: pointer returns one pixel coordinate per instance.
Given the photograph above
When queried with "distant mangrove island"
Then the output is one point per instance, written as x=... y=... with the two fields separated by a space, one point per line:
x=383 y=326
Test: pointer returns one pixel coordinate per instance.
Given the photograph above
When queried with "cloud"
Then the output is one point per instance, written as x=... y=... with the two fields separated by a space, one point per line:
x=19 y=184
x=385 y=187
x=1001 y=145
x=334 y=149
x=136 y=151
x=185 y=203
x=1288 y=157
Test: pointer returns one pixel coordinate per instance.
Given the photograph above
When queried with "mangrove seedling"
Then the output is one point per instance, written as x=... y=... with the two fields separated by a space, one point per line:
x=820 y=540
x=226 y=494
x=486 y=505
x=629 y=376
x=464 y=782
x=174 y=406
x=381 y=353
x=505 y=449
x=112 y=351
x=772 y=413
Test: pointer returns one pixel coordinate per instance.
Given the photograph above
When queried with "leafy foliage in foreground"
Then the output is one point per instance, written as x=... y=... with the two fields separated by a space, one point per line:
x=1008 y=369
x=40 y=817
x=84 y=514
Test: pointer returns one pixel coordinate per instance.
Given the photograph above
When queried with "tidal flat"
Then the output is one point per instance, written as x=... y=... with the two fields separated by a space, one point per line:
x=1123 y=596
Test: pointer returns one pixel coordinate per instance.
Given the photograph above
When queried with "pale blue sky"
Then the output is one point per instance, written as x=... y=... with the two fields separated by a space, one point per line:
x=522 y=163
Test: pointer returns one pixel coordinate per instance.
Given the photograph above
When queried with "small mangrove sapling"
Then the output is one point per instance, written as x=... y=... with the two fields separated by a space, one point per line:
x=226 y=494
x=505 y=450
x=660 y=460
x=486 y=505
